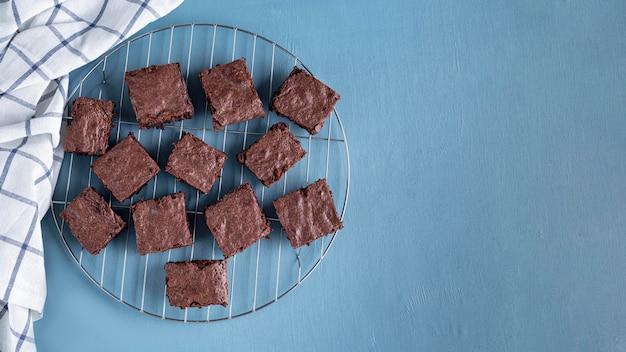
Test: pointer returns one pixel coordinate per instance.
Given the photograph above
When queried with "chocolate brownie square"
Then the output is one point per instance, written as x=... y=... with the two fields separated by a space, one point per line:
x=272 y=154
x=89 y=131
x=304 y=100
x=159 y=95
x=195 y=162
x=196 y=283
x=308 y=213
x=236 y=221
x=125 y=168
x=230 y=92
x=161 y=224
x=92 y=221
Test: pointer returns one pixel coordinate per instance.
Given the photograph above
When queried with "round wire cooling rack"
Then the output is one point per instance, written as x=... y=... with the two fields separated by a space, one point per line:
x=265 y=271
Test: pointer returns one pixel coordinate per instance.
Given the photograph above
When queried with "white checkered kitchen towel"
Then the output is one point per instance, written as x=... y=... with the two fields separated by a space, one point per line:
x=41 y=41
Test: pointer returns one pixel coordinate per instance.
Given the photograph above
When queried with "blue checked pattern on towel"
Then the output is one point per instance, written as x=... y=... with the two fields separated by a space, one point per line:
x=41 y=41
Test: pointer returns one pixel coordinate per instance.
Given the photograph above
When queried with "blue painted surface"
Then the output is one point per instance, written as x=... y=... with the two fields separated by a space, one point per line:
x=488 y=193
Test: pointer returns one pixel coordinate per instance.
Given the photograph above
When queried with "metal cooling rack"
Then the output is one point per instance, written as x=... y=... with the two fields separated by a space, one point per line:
x=267 y=270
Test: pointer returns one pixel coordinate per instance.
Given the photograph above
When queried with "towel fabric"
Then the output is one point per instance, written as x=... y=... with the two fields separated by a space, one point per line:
x=41 y=41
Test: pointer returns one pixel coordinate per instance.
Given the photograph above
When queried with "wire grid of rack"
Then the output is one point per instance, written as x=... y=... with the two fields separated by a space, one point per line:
x=267 y=270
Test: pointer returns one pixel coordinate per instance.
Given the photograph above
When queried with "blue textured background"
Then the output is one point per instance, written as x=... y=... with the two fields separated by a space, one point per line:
x=488 y=192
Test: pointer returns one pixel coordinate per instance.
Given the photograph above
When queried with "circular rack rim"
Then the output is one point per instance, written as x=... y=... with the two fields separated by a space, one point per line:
x=301 y=279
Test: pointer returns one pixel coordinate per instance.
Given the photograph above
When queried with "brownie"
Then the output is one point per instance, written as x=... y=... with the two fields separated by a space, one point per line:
x=272 y=154
x=195 y=162
x=92 y=221
x=304 y=100
x=236 y=221
x=196 y=283
x=158 y=95
x=125 y=168
x=230 y=93
x=161 y=224
x=89 y=131
x=308 y=213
